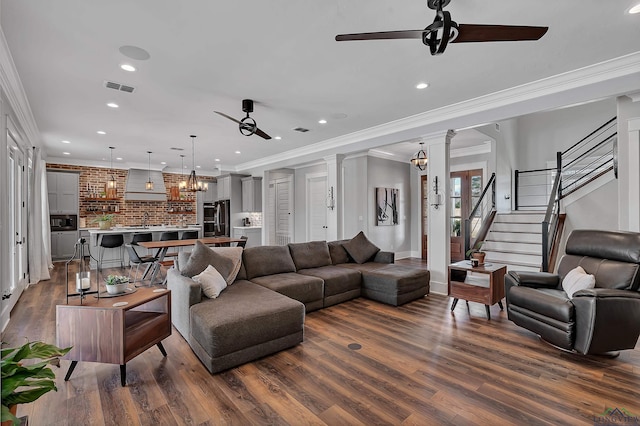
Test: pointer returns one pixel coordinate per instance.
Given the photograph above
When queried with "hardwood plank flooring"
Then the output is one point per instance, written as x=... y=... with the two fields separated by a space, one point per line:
x=418 y=364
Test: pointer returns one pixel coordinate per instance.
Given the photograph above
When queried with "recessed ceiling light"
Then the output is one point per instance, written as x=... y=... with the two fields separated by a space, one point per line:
x=198 y=167
x=422 y=85
x=112 y=105
x=277 y=138
x=217 y=159
x=238 y=152
x=128 y=67
x=65 y=142
x=322 y=121
x=119 y=158
x=66 y=153
x=163 y=162
x=101 y=132
x=635 y=9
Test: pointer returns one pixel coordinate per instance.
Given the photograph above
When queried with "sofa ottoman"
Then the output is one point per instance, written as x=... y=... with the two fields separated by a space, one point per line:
x=394 y=284
x=245 y=323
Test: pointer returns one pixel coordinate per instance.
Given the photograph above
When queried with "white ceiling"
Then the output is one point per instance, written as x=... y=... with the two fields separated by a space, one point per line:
x=209 y=55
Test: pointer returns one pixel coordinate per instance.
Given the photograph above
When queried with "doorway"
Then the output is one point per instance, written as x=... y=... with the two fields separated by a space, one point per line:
x=280 y=204
x=316 y=207
x=17 y=229
x=466 y=188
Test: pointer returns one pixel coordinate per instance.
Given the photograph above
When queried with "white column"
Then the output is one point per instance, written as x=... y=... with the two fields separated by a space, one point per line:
x=334 y=187
x=633 y=175
x=439 y=239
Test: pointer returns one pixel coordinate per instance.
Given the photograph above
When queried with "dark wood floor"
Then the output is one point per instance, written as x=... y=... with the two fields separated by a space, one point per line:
x=419 y=364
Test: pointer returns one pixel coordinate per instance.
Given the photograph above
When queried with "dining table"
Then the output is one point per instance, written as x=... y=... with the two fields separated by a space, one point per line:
x=164 y=246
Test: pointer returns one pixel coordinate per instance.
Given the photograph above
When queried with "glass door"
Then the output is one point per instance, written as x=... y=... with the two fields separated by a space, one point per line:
x=466 y=187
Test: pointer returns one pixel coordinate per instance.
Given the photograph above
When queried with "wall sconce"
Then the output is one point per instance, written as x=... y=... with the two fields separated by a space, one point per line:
x=331 y=201
x=437 y=196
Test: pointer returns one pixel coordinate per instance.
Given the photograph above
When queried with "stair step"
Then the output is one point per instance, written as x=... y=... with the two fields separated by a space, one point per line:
x=516 y=266
x=512 y=245
x=515 y=237
x=531 y=251
x=519 y=218
x=508 y=257
x=533 y=228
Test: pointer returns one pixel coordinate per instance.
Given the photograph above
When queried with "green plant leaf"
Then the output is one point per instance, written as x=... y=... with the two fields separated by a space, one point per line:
x=6 y=415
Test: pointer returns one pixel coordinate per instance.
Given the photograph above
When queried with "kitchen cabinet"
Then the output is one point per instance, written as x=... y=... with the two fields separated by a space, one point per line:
x=252 y=194
x=224 y=187
x=62 y=188
x=253 y=234
x=63 y=244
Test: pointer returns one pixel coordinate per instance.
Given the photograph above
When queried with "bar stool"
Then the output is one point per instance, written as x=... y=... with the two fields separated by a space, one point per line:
x=139 y=237
x=110 y=241
x=243 y=242
x=136 y=259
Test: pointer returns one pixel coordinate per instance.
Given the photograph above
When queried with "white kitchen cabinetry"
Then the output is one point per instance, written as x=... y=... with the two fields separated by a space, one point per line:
x=224 y=187
x=253 y=234
x=63 y=244
x=62 y=188
x=252 y=194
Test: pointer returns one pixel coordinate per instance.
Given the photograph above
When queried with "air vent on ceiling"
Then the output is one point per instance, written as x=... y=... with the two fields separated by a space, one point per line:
x=301 y=129
x=118 y=86
x=176 y=149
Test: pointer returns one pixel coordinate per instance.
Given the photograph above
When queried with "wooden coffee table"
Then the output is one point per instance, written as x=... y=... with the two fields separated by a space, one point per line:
x=476 y=289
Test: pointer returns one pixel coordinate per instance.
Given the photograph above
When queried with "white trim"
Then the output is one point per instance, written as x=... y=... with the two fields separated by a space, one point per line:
x=403 y=254
x=582 y=84
x=485 y=148
x=635 y=96
x=438 y=287
x=16 y=96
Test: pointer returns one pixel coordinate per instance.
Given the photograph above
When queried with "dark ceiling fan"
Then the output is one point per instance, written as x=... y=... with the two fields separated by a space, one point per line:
x=247 y=125
x=444 y=31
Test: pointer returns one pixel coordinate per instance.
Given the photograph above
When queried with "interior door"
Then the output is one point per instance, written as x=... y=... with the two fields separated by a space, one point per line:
x=316 y=208
x=424 y=184
x=466 y=187
x=17 y=224
x=280 y=206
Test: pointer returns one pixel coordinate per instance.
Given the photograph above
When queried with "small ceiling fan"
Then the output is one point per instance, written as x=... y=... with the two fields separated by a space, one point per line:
x=247 y=125
x=443 y=31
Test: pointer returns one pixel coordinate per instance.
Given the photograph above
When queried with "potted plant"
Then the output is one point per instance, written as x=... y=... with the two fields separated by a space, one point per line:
x=22 y=384
x=116 y=284
x=104 y=220
x=476 y=252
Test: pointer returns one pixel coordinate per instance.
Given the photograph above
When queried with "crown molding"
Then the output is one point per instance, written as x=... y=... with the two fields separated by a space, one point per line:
x=16 y=96
x=609 y=78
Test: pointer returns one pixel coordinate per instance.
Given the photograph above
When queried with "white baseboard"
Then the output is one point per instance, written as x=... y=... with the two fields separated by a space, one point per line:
x=438 y=287
x=403 y=254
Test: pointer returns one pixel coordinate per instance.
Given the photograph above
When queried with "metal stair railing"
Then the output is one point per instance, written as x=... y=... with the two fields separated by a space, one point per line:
x=582 y=163
x=478 y=223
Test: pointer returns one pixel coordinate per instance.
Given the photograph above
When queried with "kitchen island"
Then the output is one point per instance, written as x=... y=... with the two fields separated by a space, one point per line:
x=111 y=257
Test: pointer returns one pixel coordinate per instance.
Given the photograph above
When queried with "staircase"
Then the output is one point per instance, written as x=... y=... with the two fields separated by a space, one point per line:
x=515 y=240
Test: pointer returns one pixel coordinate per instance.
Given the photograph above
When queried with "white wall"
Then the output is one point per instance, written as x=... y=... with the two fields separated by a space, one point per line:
x=390 y=174
x=355 y=212
x=542 y=134
x=628 y=166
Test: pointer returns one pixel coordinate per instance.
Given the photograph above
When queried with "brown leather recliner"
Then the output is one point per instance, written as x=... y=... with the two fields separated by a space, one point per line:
x=595 y=321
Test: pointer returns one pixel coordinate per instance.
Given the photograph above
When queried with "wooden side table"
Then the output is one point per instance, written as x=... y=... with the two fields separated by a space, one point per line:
x=114 y=330
x=473 y=289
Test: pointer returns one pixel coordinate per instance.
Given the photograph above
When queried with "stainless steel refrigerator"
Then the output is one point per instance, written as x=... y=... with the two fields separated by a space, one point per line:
x=217 y=219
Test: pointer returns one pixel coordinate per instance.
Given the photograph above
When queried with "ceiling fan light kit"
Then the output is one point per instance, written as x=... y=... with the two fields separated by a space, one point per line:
x=444 y=30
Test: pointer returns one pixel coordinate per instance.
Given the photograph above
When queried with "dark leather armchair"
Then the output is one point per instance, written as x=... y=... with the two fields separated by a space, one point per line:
x=595 y=321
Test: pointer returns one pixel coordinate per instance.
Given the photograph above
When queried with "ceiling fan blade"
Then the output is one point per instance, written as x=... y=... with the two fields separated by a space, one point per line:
x=384 y=35
x=226 y=116
x=472 y=33
x=262 y=134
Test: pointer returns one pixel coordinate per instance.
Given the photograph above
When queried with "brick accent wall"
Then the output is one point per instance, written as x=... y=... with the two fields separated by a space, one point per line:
x=92 y=179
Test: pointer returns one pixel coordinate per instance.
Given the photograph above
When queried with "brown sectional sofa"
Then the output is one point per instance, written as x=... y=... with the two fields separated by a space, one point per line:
x=263 y=311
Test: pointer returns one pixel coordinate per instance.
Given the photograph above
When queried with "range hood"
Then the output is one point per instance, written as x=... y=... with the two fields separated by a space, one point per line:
x=135 y=189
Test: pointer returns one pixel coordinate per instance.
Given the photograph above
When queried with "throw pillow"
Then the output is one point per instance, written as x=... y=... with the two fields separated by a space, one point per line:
x=577 y=279
x=202 y=256
x=360 y=248
x=211 y=282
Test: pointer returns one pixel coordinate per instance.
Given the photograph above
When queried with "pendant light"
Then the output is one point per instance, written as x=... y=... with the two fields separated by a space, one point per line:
x=149 y=185
x=419 y=159
x=192 y=184
x=111 y=183
x=183 y=183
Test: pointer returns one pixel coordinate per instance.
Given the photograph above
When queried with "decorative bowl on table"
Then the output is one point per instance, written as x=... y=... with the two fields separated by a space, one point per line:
x=116 y=284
